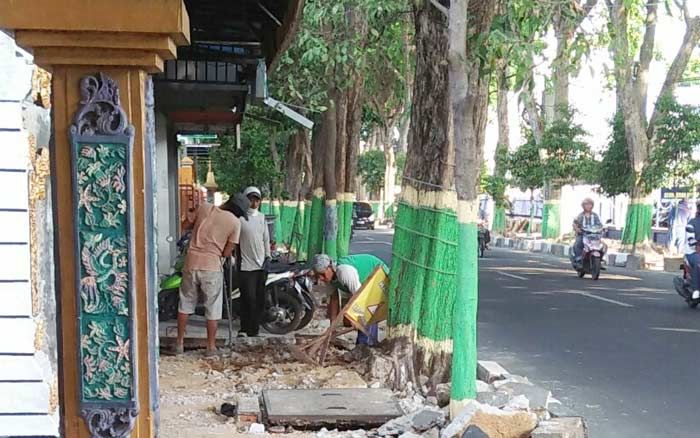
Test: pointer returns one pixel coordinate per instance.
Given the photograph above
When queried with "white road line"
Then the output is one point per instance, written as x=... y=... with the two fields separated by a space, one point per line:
x=679 y=330
x=607 y=300
x=372 y=242
x=517 y=277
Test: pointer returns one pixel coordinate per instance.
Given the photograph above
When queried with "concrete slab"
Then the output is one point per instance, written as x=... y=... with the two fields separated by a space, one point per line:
x=330 y=407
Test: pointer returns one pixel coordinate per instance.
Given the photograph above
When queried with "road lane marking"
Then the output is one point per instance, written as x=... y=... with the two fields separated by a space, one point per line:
x=373 y=242
x=517 y=277
x=671 y=329
x=607 y=300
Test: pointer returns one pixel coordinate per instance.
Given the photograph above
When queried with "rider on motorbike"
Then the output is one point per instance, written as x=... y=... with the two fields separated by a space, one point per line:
x=692 y=252
x=586 y=219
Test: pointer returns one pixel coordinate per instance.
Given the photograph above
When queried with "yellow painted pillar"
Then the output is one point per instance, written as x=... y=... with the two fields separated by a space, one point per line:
x=100 y=53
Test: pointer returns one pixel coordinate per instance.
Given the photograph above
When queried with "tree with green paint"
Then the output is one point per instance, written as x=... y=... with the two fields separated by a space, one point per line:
x=527 y=172
x=632 y=57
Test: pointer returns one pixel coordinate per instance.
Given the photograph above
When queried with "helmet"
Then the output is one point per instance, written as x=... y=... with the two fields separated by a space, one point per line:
x=587 y=201
x=254 y=191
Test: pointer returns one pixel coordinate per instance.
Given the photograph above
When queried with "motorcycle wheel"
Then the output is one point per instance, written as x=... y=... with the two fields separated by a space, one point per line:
x=286 y=314
x=168 y=302
x=693 y=304
x=581 y=273
x=595 y=267
x=308 y=315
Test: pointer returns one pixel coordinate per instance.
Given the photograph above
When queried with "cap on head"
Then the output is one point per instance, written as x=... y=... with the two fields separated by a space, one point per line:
x=252 y=191
x=321 y=263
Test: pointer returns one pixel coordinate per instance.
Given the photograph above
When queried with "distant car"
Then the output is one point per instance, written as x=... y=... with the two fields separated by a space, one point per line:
x=362 y=216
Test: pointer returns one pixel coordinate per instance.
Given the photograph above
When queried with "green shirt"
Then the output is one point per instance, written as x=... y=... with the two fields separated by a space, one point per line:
x=364 y=263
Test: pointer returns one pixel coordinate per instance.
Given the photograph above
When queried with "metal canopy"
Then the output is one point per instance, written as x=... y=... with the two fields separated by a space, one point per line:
x=229 y=38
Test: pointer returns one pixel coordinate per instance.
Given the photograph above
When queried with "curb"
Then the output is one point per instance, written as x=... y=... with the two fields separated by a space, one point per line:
x=619 y=260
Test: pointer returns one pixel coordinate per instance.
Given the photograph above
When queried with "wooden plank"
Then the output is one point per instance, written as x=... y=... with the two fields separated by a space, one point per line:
x=22 y=339
x=14 y=151
x=330 y=407
x=24 y=398
x=16 y=300
x=14 y=368
x=15 y=226
x=14 y=190
x=28 y=425
x=15 y=262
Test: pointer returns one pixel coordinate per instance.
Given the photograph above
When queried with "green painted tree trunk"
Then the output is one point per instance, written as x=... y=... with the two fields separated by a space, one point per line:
x=276 y=211
x=551 y=217
x=345 y=201
x=304 y=253
x=424 y=253
x=316 y=219
x=499 y=220
x=468 y=96
x=638 y=223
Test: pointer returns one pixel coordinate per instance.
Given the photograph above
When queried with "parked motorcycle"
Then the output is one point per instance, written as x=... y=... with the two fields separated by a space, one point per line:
x=289 y=304
x=594 y=249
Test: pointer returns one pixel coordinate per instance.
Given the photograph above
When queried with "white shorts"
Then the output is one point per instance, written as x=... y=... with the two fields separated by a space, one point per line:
x=210 y=284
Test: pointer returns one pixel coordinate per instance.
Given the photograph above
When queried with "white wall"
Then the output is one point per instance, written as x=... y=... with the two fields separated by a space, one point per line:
x=164 y=199
x=25 y=373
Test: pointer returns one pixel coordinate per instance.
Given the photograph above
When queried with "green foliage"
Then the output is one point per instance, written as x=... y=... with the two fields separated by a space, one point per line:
x=677 y=133
x=400 y=165
x=615 y=174
x=496 y=188
x=671 y=161
x=525 y=166
x=568 y=156
x=370 y=166
x=329 y=47
x=252 y=164
x=562 y=157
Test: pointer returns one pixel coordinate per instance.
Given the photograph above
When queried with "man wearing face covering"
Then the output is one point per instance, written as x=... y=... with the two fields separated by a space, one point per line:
x=255 y=260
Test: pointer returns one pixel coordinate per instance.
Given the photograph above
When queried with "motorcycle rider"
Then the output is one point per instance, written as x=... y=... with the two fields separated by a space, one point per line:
x=586 y=219
x=692 y=252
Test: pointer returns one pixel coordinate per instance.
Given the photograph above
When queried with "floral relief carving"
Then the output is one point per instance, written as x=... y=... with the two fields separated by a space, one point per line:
x=101 y=154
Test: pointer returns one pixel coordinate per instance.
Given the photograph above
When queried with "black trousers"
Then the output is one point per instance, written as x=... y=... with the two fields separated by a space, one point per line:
x=252 y=300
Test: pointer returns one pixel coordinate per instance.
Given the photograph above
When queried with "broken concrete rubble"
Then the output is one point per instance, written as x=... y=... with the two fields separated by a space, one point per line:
x=193 y=389
x=490 y=371
x=566 y=427
x=493 y=421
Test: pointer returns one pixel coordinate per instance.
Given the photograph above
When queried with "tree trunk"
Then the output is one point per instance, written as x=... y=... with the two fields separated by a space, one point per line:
x=343 y=234
x=330 y=224
x=389 y=173
x=498 y=223
x=293 y=163
x=469 y=104
x=425 y=240
x=316 y=216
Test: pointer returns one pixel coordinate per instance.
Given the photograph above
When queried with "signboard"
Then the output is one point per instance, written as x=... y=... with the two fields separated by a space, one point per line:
x=370 y=305
x=677 y=193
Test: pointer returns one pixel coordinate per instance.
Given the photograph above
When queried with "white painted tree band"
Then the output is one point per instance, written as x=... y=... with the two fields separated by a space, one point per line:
x=432 y=199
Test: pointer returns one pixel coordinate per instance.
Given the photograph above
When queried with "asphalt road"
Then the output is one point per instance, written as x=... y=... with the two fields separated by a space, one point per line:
x=622 y=351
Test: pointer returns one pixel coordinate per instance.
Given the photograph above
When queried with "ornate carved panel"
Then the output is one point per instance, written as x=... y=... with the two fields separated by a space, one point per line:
x=102 y=141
